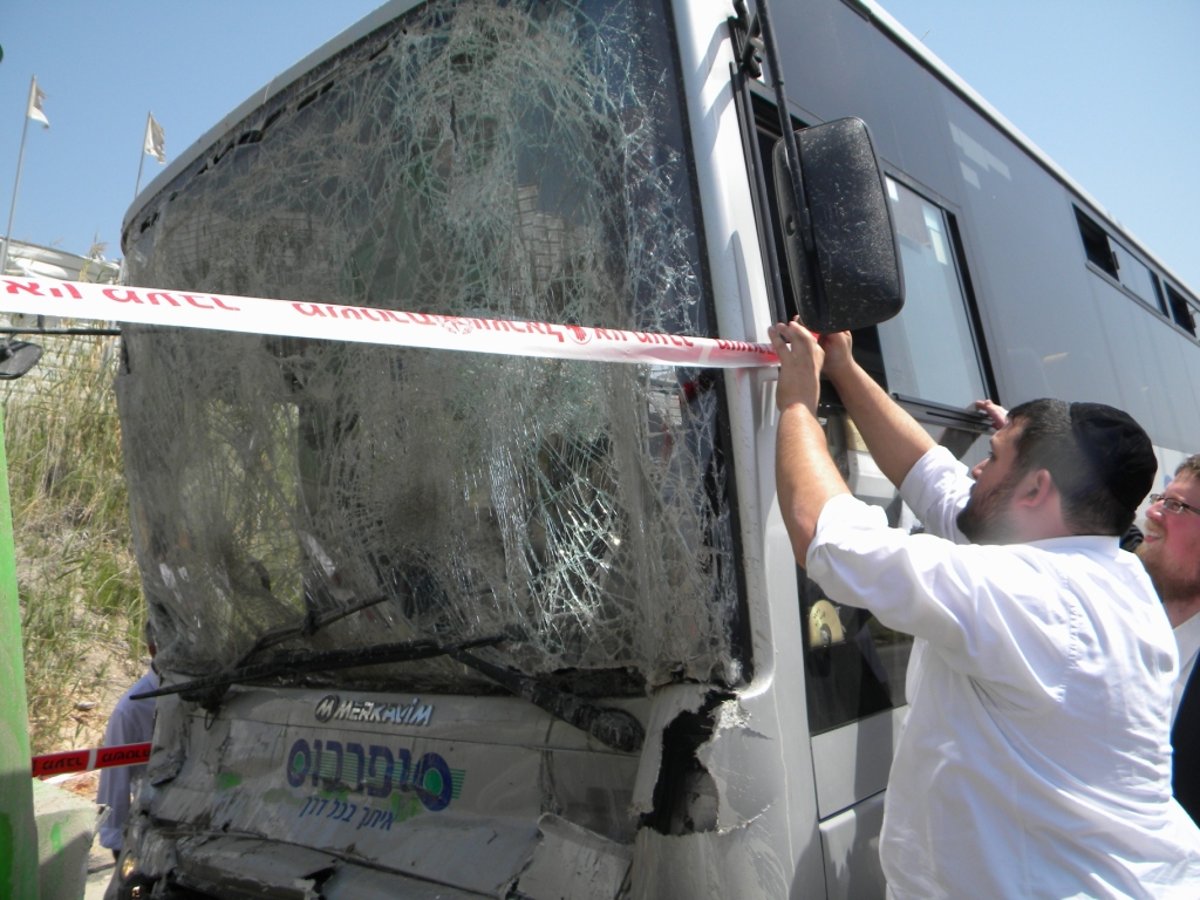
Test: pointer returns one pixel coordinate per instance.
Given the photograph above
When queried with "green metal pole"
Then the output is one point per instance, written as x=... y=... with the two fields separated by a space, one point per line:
x=18 y=834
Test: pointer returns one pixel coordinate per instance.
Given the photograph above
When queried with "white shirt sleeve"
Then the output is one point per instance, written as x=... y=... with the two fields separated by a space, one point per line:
x=936 y=489
x=991 y=612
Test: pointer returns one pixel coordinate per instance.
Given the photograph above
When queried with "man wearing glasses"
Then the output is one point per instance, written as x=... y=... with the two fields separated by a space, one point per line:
x=1170 y=550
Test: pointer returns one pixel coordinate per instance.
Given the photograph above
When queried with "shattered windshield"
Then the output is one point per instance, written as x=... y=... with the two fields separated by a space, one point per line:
x=519 y=160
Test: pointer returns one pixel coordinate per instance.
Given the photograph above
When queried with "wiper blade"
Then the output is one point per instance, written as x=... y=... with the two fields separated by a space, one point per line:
x=211 y=688
x=612 y=727
x=310 y=625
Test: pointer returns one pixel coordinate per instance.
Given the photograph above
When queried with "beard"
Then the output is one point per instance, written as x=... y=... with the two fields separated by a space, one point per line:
x=1172 y=582
x=986 y=518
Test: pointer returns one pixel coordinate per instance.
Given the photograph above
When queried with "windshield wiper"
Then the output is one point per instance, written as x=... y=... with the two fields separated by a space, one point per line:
x=209 y=689
x=310 y=625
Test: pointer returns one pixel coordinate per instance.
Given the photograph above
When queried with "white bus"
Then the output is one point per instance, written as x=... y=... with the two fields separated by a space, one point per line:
x=476 y=625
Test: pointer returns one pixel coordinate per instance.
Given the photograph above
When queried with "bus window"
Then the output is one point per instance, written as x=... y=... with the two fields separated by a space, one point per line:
x=855 y=665
x=1095 y=245
x=929 y=351
x=1119 y=264
x=1182 y=312
x=1136 y=276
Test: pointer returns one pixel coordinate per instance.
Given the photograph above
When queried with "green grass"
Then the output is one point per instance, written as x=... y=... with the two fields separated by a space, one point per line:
x=80 y=592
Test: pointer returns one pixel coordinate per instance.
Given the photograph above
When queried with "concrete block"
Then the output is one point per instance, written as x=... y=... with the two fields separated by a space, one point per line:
x=66 y=825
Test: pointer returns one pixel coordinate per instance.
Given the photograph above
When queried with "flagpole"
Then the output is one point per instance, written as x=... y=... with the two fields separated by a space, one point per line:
x=12 y=207
x=137 y=186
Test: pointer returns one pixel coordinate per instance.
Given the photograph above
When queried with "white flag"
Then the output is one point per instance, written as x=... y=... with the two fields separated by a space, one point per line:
x=36 y=98
x=155 y=143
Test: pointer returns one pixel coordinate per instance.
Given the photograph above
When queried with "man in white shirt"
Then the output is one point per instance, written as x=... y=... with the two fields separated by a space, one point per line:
x=1170 y=549
x=1035 y=758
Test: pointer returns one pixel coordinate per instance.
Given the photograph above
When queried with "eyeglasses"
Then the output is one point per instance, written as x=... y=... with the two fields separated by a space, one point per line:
x=1171 y=505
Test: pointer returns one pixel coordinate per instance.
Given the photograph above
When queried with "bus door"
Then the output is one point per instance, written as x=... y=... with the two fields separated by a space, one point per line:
x=931 y=359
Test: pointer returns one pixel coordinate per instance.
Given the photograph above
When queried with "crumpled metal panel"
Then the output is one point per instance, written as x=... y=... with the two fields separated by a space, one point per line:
x=415 y=800
x=232 y=865
x=570 y=861
x=229 y=866
x=354 y=883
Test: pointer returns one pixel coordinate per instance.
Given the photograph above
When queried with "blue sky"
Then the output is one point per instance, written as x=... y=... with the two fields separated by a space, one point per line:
x=103 y=66
x=1106 y=88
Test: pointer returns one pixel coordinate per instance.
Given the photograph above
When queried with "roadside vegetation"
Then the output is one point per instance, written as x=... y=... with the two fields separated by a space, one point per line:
x=80 y=593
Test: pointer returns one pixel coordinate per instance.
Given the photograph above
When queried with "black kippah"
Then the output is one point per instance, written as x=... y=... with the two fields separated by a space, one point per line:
x=1119 y=452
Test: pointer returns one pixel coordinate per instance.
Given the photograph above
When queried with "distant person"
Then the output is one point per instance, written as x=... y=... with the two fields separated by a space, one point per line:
x=1034 y=758
x=131 y=722
x=1170 y=549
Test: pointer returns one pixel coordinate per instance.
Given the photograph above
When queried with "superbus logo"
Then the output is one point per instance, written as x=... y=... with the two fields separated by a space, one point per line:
x=331 y=707
x=373 y=770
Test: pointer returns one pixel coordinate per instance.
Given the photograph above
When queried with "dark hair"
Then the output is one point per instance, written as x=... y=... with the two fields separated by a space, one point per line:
x=1101 y=460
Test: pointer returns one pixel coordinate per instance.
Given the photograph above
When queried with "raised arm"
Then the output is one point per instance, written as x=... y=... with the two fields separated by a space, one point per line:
x=996 y=414
x=895 y=439
x=805 y=474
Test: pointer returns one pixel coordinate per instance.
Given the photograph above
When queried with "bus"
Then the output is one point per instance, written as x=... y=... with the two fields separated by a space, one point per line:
x=467 y=625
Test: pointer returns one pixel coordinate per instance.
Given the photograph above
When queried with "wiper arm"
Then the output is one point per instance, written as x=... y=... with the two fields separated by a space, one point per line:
x=209 y=689
x=310 y=625
x=612 y=727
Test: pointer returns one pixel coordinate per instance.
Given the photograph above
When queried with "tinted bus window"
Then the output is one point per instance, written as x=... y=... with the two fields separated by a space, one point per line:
x=1095 y=245
x=929 y=351
x=1181 y=311
x=1137 y=277
x=856 y=665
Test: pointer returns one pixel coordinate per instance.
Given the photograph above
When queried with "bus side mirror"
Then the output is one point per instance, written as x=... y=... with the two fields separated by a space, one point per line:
x=840 y=244
x=17 y=358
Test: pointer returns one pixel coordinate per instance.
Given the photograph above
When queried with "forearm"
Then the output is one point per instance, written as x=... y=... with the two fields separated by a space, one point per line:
x=805 y=475
x=896 y=440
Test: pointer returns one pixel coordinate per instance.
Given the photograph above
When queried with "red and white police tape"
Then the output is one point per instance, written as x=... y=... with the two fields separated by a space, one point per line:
x=86 y=760
x=360 y=324
x=369 y=325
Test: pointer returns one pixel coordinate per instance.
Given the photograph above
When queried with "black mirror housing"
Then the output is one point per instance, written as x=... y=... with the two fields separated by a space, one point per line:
x=17 y=358
x=837 y=228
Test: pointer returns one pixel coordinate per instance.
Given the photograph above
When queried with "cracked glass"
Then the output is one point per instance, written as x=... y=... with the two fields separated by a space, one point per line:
x=520 y=160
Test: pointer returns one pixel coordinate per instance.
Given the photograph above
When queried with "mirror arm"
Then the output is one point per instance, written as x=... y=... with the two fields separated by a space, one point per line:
x=791 y=148
x=757 y=34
